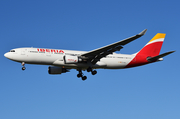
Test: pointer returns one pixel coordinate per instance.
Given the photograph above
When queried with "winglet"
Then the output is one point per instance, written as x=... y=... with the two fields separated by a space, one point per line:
x=143 y=32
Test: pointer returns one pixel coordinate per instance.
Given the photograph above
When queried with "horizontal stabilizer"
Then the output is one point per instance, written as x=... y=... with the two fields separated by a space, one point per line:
x=151 y=59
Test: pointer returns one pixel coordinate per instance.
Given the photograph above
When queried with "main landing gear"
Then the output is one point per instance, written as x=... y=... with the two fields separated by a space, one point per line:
x=93 y=72
x=23 y=68
x=81 y=75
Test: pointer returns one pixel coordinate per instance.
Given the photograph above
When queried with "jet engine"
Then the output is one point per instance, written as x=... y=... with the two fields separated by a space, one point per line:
x=69 y=59
x=56 y=70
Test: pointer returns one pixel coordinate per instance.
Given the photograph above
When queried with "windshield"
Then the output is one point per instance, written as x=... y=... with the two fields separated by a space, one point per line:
x=12 y=50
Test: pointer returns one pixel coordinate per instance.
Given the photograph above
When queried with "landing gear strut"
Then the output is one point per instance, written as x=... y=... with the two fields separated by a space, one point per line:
x=93 y=72
x=81 y=75
x=23 y=68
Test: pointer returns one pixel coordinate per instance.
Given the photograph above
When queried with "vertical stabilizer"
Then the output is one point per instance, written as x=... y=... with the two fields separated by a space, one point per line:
x=151 y=49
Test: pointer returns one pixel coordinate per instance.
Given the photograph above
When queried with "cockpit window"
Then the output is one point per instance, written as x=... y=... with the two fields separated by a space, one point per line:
x=12 y=50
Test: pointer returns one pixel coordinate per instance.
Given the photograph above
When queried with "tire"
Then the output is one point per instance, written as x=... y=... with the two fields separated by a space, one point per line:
x=94 y=72
x=79 y=75
x=23 y=68
x=89 y=69
x=84 y=78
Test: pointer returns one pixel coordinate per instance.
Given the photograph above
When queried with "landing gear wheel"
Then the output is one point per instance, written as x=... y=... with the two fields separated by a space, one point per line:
x=23 y=68
x=84 y=78
x=89 y=69
x=79 y=75
x=94 y=72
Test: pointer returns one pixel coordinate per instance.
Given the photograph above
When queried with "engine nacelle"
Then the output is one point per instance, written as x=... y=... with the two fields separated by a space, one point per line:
x=69 y=59
x=56 y=70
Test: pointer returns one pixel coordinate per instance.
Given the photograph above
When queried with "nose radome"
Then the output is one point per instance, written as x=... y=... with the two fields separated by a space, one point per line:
x=6 y=55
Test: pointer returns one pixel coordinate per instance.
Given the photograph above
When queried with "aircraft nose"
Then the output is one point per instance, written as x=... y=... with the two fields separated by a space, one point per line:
x=7 y=55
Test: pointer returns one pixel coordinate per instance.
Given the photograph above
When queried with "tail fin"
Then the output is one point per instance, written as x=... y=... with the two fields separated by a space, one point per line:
x=153 y=47
x=150 y=50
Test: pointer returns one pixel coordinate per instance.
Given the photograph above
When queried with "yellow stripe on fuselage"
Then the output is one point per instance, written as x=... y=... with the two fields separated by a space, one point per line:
x=158 y=36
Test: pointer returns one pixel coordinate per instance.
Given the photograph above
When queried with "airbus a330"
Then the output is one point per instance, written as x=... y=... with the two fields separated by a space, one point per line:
x=61 y=61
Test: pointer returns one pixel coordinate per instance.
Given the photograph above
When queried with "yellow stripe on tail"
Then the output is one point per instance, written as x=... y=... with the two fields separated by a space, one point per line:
x=158 y=36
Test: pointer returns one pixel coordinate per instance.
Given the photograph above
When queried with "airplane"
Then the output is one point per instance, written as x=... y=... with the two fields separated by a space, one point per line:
x=61 y=61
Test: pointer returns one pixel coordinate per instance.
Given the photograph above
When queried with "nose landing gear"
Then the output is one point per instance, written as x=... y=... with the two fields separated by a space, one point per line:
x=23 y=68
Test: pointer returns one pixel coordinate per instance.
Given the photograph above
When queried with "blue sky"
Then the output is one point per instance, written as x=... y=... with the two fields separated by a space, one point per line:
x=150 y=91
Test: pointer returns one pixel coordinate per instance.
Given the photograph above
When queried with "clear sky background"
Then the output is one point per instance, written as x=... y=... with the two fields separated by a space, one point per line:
x=147 y=92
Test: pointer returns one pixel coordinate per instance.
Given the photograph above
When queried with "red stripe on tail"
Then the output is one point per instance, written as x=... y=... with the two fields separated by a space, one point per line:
x=151 y=49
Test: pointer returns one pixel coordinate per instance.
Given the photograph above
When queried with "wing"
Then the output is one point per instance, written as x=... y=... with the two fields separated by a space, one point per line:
x=95 y=55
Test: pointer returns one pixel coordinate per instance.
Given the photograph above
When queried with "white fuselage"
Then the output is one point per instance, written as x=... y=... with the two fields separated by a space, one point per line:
x=44 y=56
x=62 y=61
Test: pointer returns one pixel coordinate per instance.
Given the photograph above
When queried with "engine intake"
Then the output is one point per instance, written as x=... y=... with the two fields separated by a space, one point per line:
x=56 y=70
